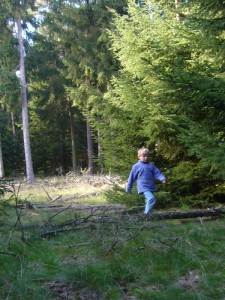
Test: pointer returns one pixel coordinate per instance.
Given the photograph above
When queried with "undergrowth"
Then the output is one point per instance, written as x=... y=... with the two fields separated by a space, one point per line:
x=116 y=260
x=111 y=258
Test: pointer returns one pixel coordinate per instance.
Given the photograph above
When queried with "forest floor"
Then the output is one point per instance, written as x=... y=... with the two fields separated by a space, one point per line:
x=96 y=251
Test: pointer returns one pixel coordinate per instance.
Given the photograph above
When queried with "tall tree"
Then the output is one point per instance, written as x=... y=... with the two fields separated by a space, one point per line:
x=205 y=135
x=169 y=94
x=17 y=10
x=25 y=117
x=51 y=111
x=73 y=139
x=85 y=54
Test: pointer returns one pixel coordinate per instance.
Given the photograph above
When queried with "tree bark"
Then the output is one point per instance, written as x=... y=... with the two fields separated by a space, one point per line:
x=179 y=16
x=89 y=148
x=186 y=215
x=26 y=138
x=1 y=160
x=73 y=140
x=13 y=124
x=100 y=159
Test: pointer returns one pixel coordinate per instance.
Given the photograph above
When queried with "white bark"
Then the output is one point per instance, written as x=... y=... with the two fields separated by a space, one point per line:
x=25 y=120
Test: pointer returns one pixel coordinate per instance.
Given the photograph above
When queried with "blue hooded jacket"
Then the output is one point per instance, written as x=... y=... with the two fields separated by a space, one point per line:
x=145 y=174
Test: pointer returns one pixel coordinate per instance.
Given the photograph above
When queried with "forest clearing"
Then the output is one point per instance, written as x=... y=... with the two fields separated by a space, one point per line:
x=103 y=250
x=85 y=86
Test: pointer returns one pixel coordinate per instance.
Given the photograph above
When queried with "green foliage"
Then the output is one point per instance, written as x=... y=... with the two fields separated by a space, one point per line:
x=145 y=75
x=50 y=110
x=67 y=66
x=194 y=185
x=189 y=185
x=169 y=94
x=5 y=187
x=165 y=200
x=117 y=195
x=145 y=102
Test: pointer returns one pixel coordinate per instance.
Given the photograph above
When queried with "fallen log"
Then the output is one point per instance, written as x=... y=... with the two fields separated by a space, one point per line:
x=136 y=211
x=102 y=217
x=189 y=214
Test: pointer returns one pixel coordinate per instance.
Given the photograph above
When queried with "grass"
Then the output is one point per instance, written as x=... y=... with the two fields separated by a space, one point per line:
x=168 y=261
x=124 y=259
x=87 y=190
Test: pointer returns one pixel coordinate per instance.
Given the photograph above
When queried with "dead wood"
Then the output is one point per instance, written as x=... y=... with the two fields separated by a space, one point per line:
x=105 y=216
x=213 y=212
x=50 y=198
x=190 y=214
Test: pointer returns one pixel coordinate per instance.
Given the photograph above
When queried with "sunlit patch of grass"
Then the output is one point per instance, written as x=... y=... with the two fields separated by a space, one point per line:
x=81 y=189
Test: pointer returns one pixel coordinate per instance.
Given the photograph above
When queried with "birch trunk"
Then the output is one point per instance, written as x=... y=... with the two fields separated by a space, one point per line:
x=25 y=120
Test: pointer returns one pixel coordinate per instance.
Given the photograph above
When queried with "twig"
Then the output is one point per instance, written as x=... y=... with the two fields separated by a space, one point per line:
x=56 y=198
x=54 y=232
x=73 y=224
x=175 y=239
x=50 y=198
x=59 y=212
x=122 y=242
x=18 y=221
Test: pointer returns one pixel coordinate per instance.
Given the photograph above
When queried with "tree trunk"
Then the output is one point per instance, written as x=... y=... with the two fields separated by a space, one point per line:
x=186 y=215
x=89 y=148
x=1 y=160
x=179 y=16
x=100 y=160
x=26 y=138
x=73 y=140
x=13 y=124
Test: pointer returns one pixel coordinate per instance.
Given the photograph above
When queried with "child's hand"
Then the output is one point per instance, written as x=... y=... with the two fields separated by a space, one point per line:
x=164 y=181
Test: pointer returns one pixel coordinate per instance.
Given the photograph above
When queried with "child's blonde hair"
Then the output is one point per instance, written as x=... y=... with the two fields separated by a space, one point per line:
x=143 y=150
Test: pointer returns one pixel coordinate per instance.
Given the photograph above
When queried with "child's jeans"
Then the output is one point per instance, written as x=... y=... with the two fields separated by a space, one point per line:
x=149 y=202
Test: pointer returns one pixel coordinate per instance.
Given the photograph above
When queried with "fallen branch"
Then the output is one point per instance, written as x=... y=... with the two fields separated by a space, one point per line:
x=54 y=232
x=50 y=198
x=72 y=224
x=185 y=215
x=105 y=215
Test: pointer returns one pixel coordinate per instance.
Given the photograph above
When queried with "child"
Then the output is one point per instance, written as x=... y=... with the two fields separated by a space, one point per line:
x=144 y=173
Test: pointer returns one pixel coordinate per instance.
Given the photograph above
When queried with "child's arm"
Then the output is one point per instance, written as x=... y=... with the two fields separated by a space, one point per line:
x=159 y=175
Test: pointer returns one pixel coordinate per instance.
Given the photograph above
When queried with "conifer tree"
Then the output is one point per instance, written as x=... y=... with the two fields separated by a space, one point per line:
x=169 y=94
x=85 y=56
